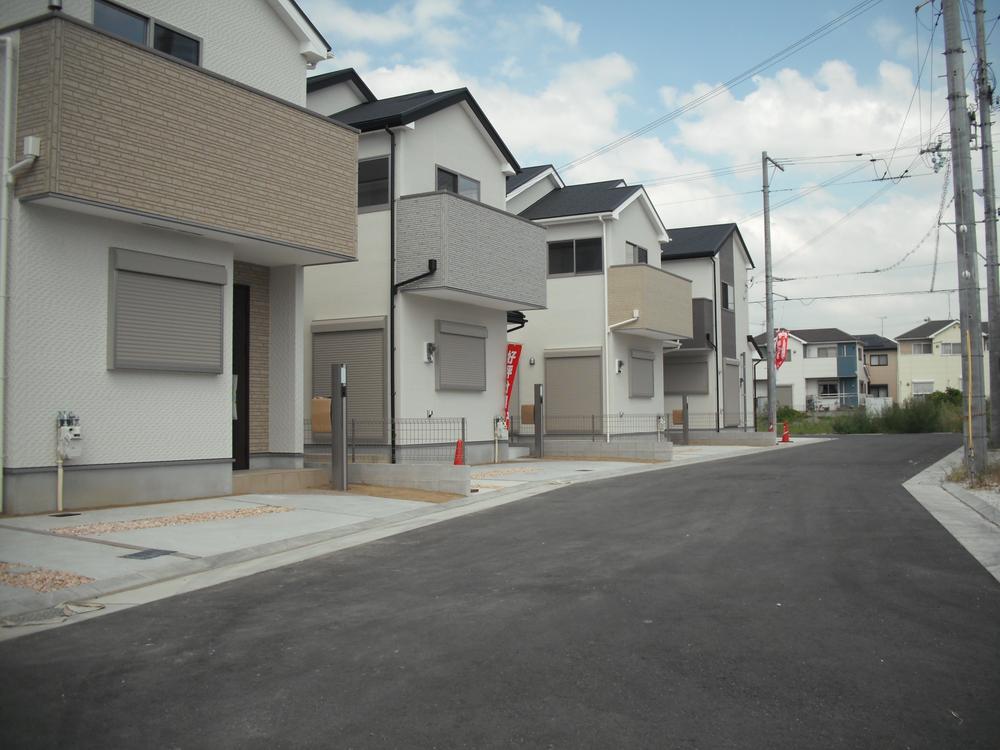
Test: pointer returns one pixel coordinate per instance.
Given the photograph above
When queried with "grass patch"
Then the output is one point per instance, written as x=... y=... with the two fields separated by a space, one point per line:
x=989 y=480
x=920 y=415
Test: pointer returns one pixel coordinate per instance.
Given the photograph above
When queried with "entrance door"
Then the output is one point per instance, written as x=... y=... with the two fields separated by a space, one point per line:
x=241 y=377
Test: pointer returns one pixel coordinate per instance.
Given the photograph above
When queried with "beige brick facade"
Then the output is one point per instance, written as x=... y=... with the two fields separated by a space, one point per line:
x=662 y=299
x=129 y=128
x=258 y=278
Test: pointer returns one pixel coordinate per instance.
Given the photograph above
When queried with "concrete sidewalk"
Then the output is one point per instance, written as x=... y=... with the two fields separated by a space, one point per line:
x=54 y=560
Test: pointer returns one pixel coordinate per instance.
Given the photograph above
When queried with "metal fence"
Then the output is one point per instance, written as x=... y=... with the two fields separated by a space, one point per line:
x=418 y=440
x=594 y=427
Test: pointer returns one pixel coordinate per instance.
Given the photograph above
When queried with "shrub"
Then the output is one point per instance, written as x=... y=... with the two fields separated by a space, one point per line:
x=788 y=414
x=856 y=422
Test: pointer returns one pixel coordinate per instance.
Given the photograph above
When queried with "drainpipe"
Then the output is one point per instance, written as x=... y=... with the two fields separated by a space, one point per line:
x=607 y=333
x=392 y=295
x=5 y=210
x=716 y=314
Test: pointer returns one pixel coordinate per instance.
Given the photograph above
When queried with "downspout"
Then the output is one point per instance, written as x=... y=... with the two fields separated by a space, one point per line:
x=607 y=333
x=392 y=295
x=8 y=126
x=716 y=314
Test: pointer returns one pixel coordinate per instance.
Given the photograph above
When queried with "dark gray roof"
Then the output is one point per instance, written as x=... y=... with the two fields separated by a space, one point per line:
x=578 y=200
x=527 y=174
x=874 y=341
x=699 y=242
x=406 y=108
x=925 y=330
x=322 y=81
x=813 y=336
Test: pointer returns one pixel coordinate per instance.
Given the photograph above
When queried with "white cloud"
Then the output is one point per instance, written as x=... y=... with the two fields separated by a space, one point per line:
x=429 y=20
x=350 y=58
x=551 y=19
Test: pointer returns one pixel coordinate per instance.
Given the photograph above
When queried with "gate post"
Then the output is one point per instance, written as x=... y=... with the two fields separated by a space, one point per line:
x=338 y=426
x=539 y=422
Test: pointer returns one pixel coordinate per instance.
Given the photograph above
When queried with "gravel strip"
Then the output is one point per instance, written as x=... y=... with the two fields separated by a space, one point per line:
x=111 y=527
x=38 y=579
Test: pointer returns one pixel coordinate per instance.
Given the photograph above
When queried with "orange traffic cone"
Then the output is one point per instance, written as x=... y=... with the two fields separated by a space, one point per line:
x=785 y=436
x=459 y=453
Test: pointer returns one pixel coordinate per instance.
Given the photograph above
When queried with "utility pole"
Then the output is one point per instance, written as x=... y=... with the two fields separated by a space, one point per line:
x=965 y=232
x=985 y=91
x=772 y=372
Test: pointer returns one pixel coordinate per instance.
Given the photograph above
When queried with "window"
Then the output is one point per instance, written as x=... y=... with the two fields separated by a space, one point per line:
x=457 y=183
x=728 y=298
x=165 y=313
x=860 y=356
x=829 y=388
x=460 y=357
x=570 y=257
x=788 y=355
x=640 y=374
x=823 y=351
x=923 y=387
x=637 y=255
x=373 y=183
x=878 y=391
x=921 y=347
x=139 y=29
x=878 y=360
x=951 y=350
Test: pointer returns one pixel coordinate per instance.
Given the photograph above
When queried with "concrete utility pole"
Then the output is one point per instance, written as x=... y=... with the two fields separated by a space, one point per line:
x=985 y=91
x=965 y=232
x=772 y=372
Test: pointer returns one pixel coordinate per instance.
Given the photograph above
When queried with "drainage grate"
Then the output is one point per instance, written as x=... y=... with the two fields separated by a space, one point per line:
x=62 y=515
x=584 y=469
x=147 y=554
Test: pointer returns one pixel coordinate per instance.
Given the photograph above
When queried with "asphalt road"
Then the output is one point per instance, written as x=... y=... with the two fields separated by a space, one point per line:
x=798 y=599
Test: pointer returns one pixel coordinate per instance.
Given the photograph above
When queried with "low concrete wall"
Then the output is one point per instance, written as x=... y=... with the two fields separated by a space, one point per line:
x=725 y=437
x=647 y=449
x=431 y=477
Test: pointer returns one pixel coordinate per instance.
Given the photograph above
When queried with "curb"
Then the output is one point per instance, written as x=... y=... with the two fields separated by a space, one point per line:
x=989 y=511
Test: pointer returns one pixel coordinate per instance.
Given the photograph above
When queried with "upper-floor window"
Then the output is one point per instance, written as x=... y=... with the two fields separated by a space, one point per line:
x=728 y=297
x=921 y=347
x=822 y=351
x=951 y=349
x=878 y=360
x=860 y=358
x=457 y=183
x=373 y=183
x=149 y=32
x=637 y=254
x=570 y=257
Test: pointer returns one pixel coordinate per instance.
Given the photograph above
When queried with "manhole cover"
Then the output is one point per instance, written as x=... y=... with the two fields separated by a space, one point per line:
x=62 y=515
x=148 y=554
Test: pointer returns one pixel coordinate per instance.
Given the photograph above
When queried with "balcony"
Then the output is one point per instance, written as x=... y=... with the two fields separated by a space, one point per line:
x=485 y=256
x=662 y=299
x=131 y=133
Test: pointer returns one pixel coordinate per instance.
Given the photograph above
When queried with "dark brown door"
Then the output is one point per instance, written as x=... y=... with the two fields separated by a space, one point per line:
x=241 y=377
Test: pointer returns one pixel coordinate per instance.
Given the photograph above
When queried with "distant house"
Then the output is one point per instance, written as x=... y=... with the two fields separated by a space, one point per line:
x=824 y=370
x=930 y=359
x=713 y=367
x=881 y=362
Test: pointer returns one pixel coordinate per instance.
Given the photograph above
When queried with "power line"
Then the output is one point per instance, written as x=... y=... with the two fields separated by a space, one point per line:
x=808 y=39
x=855 y=296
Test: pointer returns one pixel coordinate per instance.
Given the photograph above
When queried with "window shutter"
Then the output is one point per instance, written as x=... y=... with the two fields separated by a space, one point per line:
x=460 y=360
x=641 y=374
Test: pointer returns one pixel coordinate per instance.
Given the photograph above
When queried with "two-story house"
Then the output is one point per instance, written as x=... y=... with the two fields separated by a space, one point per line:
x=421 y=319
x=164 y=186
x=881 y=360
x=713 y=368
x=598 y=347
x=824 y=370
x=930 y=359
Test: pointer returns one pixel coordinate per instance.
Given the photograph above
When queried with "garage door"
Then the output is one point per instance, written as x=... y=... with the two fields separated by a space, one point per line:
x=731 y=394
x=364 y=354
x=572 y=393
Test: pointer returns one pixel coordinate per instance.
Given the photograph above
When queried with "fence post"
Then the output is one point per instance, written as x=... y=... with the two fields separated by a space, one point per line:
x=463 y=442
x=658 y=418
x=539 y=423
x=685 y=420
x=338 y=426
x=593 y=434
x=354 y=442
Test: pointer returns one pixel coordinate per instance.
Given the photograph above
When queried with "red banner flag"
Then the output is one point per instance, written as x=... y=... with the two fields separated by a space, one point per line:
x=513 y=357
x=780 y=348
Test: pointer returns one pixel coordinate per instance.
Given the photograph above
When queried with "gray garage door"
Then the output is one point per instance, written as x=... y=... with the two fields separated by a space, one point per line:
x=731 y=394
x=364 y=354
x=572 y=393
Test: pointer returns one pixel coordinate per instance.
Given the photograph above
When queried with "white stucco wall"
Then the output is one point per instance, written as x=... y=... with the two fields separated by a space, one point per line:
x=286 y=403
x=57 y=350
x=332 y=99
x=633 y=225
x=245 y=40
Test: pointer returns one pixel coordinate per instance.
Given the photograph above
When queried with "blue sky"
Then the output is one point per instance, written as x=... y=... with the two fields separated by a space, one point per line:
x=560 y=79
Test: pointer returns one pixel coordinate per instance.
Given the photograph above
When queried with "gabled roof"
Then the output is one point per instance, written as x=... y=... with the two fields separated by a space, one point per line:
x=874 y=341
x=526 y=175
x=581 y=200
x=926 y=330
x=309 y=22
x=813 y=336
x=347 y=75
x=397 y=111
x=699 y=242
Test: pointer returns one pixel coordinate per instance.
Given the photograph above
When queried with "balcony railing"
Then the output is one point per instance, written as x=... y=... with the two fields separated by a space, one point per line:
x=128 y=129
x=485 y=256
x=662 y=299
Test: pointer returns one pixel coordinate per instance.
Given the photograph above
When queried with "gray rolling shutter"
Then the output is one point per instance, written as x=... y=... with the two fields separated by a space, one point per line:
x=364 y=354
x=682 y=377
x=572 y=393
x=640 y=374
x=731 y=394
x=460 y=360
x=165 y=313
